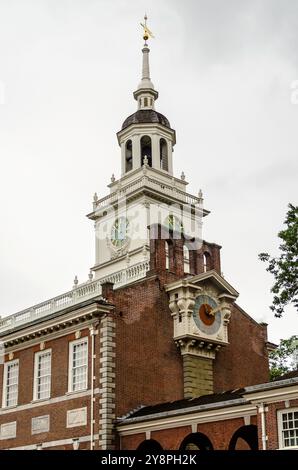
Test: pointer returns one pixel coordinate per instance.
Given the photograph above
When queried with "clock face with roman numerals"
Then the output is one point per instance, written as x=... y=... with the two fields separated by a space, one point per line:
x=119 y=232
x=206 y=314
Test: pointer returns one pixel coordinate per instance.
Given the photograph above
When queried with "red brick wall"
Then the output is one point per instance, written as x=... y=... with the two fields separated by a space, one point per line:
x=148 y=364
x=272 y=423
x=245 y=360
x=59 y=387
x=219 y=433
x=58 y=428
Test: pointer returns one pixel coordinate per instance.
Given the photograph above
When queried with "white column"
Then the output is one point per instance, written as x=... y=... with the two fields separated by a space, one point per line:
x=170 y=156
x=155 y=151
x=136 y=152
x=123 y=158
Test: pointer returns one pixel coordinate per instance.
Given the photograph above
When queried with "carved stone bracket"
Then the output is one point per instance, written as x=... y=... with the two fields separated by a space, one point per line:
x=197 y=347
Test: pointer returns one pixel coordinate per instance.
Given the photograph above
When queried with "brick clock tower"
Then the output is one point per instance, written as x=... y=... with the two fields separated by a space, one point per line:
x=155 y=322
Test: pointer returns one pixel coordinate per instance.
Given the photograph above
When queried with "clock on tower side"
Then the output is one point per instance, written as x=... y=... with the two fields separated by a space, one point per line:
x=201 y=308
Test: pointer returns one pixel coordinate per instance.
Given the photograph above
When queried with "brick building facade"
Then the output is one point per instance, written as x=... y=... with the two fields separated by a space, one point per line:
x=144 y=352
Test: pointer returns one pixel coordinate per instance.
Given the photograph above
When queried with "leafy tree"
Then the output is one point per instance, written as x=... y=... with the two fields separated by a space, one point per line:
x=285 y=267
x=284 y=358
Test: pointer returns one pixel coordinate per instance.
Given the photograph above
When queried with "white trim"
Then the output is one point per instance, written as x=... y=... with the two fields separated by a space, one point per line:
x=98 y=310
x=273 y=395
x=54 y=443
x=186 y=419
x=4 y=388
x=84 y=339
x=280 y=428
x=51 y=401
x=36 y=359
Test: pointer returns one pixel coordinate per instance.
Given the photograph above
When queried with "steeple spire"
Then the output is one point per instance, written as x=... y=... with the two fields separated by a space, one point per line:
x=146 y=94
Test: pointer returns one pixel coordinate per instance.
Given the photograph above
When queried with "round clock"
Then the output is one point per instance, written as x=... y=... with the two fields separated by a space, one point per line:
x=119 y=232
x=174 y=223
x=207 y=315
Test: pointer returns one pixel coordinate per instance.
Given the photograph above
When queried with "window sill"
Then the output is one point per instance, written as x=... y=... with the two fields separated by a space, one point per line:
x=77 y=391
x=12 y=407
x=40 y=400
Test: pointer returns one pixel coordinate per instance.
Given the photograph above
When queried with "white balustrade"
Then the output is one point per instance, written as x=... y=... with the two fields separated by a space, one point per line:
x=148 y=182
x=82 y=292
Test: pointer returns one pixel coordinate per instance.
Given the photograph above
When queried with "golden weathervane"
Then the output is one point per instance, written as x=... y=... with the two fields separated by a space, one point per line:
x=147 y=33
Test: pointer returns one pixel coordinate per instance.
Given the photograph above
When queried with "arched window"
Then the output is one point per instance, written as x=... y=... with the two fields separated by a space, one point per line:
x=145 y=102
x=196 y=441
x=186 y=259
x=206 y=261
x=128 y=156
x=163 y=153
x=146 y=149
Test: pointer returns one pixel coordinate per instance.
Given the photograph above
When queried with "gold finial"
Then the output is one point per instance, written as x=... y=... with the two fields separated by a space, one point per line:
x=147 y=33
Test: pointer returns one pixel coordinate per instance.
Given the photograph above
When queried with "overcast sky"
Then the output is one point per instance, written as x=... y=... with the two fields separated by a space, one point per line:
x=224 y=71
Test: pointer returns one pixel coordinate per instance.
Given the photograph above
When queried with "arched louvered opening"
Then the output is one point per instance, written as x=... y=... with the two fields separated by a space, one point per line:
x=128 y=156
x=186 y=259
x=146 y=149
x=207 y=262
x=163 y=153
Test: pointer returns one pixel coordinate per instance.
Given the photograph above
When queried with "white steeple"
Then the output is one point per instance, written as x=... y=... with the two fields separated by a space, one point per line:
x=145 y=93
x=146 y=133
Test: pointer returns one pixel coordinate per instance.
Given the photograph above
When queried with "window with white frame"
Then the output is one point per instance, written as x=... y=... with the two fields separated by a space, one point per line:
x=288 y=428
x=78 y=365
x=42 y=375
x=10 y=383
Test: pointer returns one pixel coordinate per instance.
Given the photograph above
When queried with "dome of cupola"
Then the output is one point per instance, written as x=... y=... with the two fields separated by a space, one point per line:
x=146 y=116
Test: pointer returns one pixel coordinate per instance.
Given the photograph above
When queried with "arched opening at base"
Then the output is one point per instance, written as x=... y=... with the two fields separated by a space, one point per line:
x=245 y=438
x=196 y=441
x=149 y=446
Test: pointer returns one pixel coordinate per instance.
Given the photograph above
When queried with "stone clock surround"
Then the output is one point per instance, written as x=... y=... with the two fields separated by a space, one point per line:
x=198 y=348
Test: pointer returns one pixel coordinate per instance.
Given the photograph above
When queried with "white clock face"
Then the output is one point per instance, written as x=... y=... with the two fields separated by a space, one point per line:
x=119 y=232
x=207 y=315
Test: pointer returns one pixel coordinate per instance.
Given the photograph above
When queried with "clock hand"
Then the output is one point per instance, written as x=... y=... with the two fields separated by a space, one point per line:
x=206 y=309
x=215 y=310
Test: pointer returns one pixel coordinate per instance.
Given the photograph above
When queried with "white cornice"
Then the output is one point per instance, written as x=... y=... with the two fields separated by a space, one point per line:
x=146 y=127
x=146 y=423
x=273 y=395
x=209 y=275
x=47 y=326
